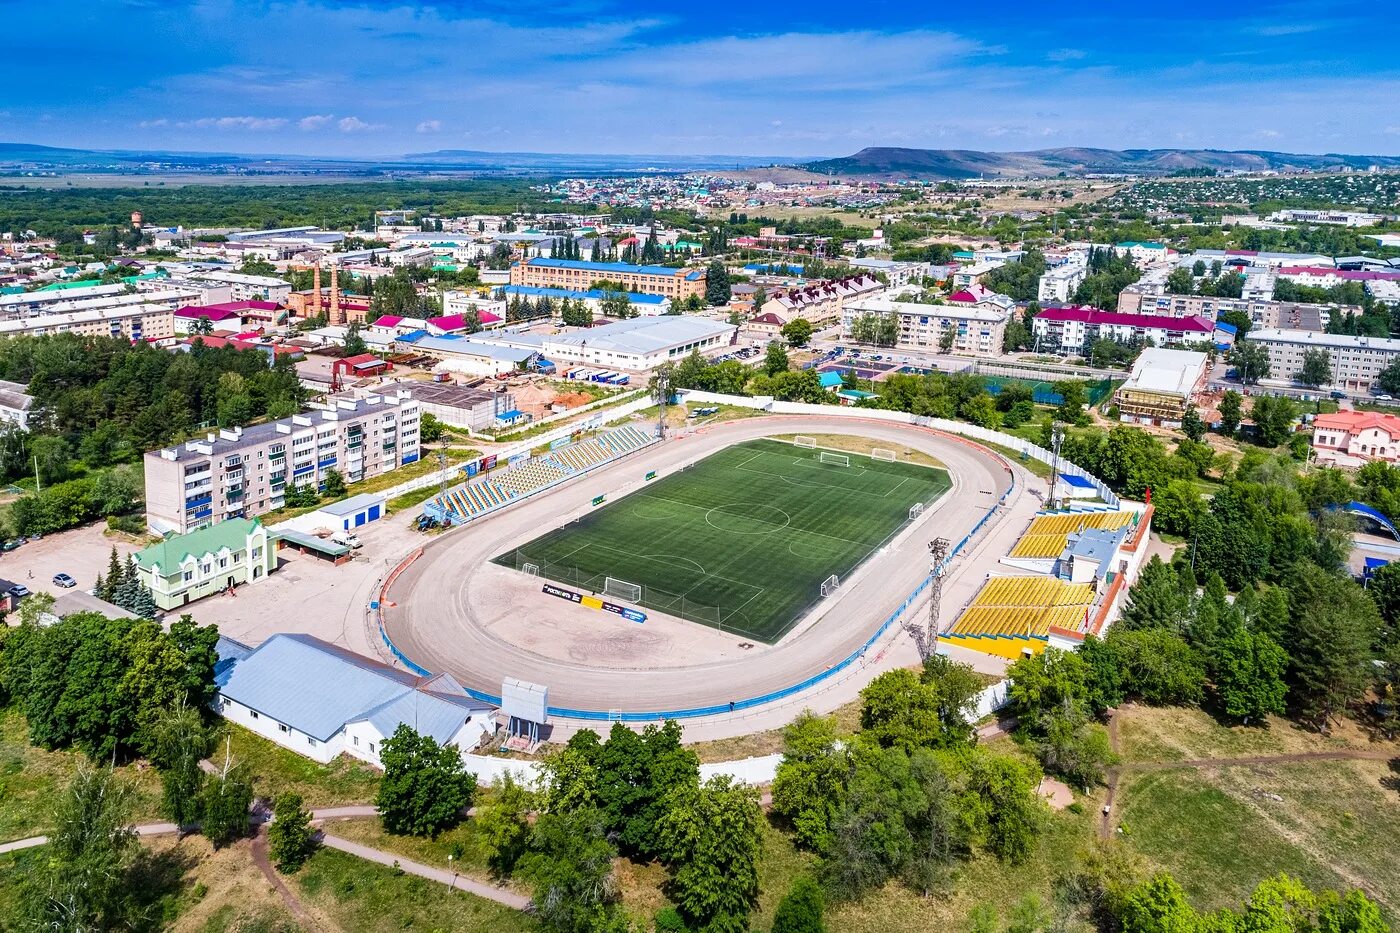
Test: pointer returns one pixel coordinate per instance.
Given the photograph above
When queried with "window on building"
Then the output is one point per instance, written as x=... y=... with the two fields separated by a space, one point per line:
x=357 y=740
x=310 y=741
x=252 y=714
x=282 y=727
x=189 y=575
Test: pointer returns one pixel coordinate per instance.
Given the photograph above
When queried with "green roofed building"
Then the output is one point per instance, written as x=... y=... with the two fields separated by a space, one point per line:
x=183 y=568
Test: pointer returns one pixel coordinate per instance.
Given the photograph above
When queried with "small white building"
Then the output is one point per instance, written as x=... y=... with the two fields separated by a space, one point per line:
x=321 y=700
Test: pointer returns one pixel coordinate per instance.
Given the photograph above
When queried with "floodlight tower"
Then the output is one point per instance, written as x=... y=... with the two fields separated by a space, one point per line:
x=663 y=395
x=925 y=633
x=1057 y=438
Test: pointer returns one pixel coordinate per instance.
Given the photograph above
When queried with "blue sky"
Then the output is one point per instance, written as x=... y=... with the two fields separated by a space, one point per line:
x=363 y=79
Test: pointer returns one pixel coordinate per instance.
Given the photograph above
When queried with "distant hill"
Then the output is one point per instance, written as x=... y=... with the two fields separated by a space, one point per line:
x=891 y=162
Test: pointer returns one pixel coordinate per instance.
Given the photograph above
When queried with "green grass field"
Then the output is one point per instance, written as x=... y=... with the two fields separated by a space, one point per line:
x=742 y=539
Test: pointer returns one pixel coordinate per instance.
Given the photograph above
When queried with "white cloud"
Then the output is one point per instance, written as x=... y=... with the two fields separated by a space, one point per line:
x=153 y=124
x=259 y=124
x=1269 y=134
x=354 y=125
x=430 y=126
x=315 y=121
x=1065 y=55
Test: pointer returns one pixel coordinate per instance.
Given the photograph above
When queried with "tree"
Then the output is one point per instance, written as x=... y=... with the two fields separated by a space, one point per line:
x=504 y=826
x=180 y=744
x=1388 y=381
x=1180 y=282
x=709 y=837
x=717 y=287
x=616 y=305
x=1052 y=679
x=570 y=866
x=1158 y=665
x=425 y=788
x=1332 y=626
x=946 y=338
x=1075 y=749
x=227 y=797
x=84 y=880
x=1158 y=600
x=1247 y=671
x=1192 y=425
x=1251 y=361
x=800 y=910
x=809 y=785
x=201 y=326
x=1157 y=905
x=430 y=429
x=575 y=313
x=1273 y=419
x=291 y=840
x=898 y=711
x=354 y=343
x=776 y=360
x=1316 y=369
x=52 y=457
x=635 y=774
x=335 y=484
x=797 y=332
x=1231 y=412
x=1074 y=396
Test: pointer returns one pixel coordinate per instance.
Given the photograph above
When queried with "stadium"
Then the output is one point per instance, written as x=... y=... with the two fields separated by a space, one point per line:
x=760 y=562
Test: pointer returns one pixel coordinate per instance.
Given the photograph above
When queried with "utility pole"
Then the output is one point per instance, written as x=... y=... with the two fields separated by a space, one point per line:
x=1057 y=437
x=38 y=486
x=442 y=473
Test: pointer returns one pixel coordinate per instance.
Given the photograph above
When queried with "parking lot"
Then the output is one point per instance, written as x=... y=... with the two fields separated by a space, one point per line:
x=305 y=594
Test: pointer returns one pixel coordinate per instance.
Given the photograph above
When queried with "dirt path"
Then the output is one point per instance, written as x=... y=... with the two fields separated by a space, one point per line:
x=1106 y=821
x=260 y=859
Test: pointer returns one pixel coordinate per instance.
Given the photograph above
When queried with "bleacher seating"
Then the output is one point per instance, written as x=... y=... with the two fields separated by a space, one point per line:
x=1012 y=614
x=486 y=493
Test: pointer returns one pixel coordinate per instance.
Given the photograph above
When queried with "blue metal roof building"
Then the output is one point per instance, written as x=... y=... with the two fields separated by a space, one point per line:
x=319 y=699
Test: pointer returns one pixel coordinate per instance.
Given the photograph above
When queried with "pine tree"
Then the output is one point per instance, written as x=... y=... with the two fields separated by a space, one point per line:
x=114 y=576
x=144 y=604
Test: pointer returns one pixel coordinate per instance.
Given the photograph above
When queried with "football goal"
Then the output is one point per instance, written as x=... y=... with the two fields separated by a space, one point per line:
x=622 y=589
x=882 y=453
x=828 y=457
x=916 y=510
x=830 y=585
x=803 y=440
x=531 y=569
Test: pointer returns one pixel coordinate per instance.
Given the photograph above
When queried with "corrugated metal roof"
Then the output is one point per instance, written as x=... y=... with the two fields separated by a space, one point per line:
x=316 y=688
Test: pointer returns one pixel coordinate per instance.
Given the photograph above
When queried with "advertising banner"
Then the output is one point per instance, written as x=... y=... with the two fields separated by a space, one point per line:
x=595 y=602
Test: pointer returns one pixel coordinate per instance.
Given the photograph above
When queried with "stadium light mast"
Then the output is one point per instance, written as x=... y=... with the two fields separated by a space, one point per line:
x=1057 y=438
x=663 y=395
x=925 y=633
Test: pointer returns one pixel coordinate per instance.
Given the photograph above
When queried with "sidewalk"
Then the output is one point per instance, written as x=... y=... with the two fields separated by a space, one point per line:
x=479 y=888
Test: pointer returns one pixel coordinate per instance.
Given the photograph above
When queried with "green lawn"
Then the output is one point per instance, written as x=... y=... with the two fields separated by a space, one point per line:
x=362 y=896
x=742 y=539
x=277 y=770
x=31 y=778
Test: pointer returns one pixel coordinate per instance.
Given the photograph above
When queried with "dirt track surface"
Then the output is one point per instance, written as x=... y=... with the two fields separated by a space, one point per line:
x=454 y=611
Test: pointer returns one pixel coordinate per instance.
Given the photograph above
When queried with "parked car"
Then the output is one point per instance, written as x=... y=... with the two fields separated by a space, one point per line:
x=1337 y=394
x=19 y=591
x=64 y=581
x=1384 y=398
x=11 y=544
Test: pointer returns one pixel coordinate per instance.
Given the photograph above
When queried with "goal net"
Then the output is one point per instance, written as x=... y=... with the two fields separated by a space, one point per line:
x=803 y=440
x=916 y=510
x=622 y=589
x=882 y=453
x=834 y=459
x=531 y=569
x=830 y=585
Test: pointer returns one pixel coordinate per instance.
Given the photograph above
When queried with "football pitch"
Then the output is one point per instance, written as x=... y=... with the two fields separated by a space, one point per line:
x=742 y=540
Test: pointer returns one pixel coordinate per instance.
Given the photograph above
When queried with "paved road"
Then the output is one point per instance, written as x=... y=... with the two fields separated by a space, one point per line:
x=432 y=610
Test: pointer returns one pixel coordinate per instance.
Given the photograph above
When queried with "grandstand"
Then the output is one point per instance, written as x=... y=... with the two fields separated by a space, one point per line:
x=1047 y=535
x=1011 y=615
x=491 y=491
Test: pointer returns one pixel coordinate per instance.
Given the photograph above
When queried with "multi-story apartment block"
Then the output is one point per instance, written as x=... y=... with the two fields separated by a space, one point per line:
x=242 y=472
x=1262 y=312
x=1342 y=218
x=978 y=329
x=676 y=284
x=1355 y=361
x=142 y=316
x=1074 y=330
x=1058 y=284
